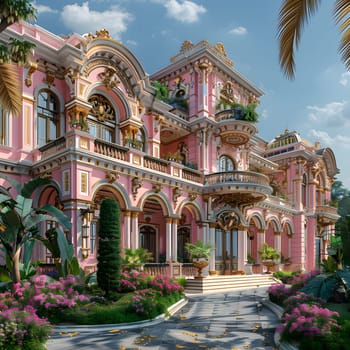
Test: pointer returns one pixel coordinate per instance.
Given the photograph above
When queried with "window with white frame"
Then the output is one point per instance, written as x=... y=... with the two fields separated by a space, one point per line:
x=4 y=127
x=47 y=117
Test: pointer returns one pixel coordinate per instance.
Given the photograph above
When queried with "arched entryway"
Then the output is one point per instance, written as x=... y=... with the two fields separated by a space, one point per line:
x=155 y=228
x=226 y=243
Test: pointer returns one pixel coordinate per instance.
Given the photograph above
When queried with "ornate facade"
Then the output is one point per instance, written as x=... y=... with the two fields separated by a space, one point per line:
x=183 y=168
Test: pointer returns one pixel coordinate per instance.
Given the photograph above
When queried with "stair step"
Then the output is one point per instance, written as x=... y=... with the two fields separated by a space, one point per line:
x=216 y=283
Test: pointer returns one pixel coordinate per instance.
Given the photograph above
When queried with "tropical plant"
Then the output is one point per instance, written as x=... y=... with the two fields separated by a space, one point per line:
x=198 y=249
x=135 y=258
x=268 y=253
x=162 y=92
x=109 y=259
x=250 y=259
x=292 y=17
x=17 y=51
x=19 y=221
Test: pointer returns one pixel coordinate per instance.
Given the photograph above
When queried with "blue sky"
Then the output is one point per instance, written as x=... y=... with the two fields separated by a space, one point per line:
x=316 y=103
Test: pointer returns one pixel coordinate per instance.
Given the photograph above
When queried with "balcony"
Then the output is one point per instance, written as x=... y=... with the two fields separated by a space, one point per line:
x=233 y=187
x=233 y=131
x=81 y=142
x=326 y=215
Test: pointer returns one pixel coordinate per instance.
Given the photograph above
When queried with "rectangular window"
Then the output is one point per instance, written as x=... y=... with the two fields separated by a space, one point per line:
x=41 y=131
x=66 y=182
x=3 y=128
x=84 y=182
x=92 y=237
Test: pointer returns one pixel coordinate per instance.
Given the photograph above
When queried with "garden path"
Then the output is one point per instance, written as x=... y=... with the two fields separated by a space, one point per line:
x=233 y=320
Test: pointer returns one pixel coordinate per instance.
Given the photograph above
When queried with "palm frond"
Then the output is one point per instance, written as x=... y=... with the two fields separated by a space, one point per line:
x=10 y=92
x=292 y=17
x=341 y=14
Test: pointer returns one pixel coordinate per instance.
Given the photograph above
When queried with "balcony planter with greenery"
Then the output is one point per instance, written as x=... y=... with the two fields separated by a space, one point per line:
x=199 y=253
x=240 y=112
x=269 y=256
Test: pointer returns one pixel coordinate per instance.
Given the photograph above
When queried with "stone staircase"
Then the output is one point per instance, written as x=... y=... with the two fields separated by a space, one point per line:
x=212 y=284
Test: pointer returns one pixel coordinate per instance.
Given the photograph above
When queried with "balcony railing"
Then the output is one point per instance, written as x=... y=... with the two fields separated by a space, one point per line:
x=111 y=150
x=326 y=209
x=241 y=177
x=156 y=164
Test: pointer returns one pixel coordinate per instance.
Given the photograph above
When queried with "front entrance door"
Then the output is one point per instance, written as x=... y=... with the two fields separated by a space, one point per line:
x=226 y=247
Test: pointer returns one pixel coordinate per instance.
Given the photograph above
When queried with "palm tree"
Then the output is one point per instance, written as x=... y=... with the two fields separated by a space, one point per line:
x=293 y=15
x=12 y=11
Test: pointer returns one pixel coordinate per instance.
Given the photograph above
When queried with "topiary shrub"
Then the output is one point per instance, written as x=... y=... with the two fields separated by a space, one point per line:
x=109 y=259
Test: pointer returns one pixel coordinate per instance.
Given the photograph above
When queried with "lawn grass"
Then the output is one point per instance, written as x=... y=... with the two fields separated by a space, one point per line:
x=114 y=311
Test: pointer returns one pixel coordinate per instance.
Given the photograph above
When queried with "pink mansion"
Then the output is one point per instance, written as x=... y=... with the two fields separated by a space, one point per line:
x=182 y=168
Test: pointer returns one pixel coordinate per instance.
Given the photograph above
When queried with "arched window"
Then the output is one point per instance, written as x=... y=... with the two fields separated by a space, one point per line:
x=101 y=119
x=140 y=140
x=226 y=164
x=320 y=190
x=48 y=117
x=183 y=237
x=148 y=239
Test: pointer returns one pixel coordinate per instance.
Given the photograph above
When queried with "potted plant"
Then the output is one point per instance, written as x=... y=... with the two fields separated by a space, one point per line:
x=199 y=253
x=269 y=256
x=134 y=259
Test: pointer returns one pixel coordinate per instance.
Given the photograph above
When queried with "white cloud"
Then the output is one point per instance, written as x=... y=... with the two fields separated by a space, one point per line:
x=332 y=114
x=328 y=140
x=131 y=42
x=43 y=8
x=238 y=31
x=322 y=136
x=264 y=114
x=183 y=11
x=82 y=19
x=344 y=79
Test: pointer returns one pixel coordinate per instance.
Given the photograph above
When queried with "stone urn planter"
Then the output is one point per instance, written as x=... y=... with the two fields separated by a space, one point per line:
x=269 y=256
x=200 y=254
x=200 y=264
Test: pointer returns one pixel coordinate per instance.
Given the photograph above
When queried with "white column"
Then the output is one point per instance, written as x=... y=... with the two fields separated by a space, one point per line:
x=127 y=229
x=278 y=241
x=168 y=239
x=278 y=246
x=242 y=249
x=261 y=241
x=174 y=240
x=211 y=229
x=135 y=236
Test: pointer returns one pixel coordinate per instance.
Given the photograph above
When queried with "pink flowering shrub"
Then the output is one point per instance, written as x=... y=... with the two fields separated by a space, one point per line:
x=307 y=321
x=298 y=281
x=50 y=299
x=131 y=281
x=301 y=298
x=145 y=303
x=166 y=285
x=22 y=329
x=279 y=292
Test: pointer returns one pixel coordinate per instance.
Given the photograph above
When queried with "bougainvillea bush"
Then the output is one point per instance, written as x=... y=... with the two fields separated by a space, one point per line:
x=308 y=321
x=279 y=292
x=50 y=298
x=299 y=280
x=301 y=298
x=22 y=329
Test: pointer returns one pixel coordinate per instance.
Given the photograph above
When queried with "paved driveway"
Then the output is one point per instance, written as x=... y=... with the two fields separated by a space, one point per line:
x=226 y=320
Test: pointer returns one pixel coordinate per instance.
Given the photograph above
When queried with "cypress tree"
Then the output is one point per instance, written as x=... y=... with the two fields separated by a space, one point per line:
x=109 y=259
